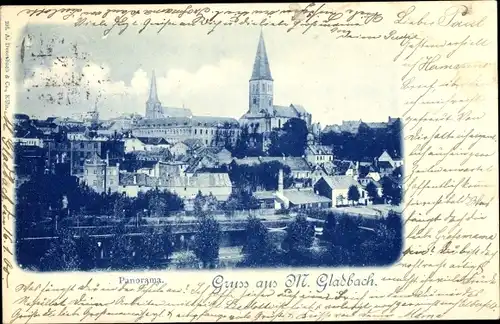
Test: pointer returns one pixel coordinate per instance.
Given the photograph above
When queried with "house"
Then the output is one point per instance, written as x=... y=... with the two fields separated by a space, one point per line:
x=398 y=162
x=336 y=188
x=368 y=172
x=83 y=147
x=131 y=183
x=153 y=143
x=27 y=141
x=179 y=148
x=100 y=175
x=158 y=154
x=301 y=199
x=193 y=144
x=249 y=160
x=70 y=122
x=318 y=154
x=30 y=160
x=321 y=170
x=342 y=166
x=352 y=170
x=393 y=161
x=299 y=167
x=222 y=155
x=385 y=168
x=204 y=162
x=266 y=199
x=187 y=187
x=133 y=144
x=297 y=198
x=21 y=119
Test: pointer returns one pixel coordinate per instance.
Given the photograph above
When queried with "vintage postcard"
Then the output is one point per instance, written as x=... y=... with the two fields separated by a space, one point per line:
x=250 y=162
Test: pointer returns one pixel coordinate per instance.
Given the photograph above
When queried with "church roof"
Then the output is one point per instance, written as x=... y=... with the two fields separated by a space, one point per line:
x=299 y=108
x=176 y=112
x=261 y=70
x=285 y=111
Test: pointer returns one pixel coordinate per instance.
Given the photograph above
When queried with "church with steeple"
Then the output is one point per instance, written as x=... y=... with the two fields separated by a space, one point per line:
x=263 y=115
x=154 y=109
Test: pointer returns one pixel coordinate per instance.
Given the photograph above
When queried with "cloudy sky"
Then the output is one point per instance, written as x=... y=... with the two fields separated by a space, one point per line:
x=333 y=79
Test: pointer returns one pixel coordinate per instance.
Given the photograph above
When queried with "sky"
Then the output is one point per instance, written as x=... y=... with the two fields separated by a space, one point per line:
x=333 y=79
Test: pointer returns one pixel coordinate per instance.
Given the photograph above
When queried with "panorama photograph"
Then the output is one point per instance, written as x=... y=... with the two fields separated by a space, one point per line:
x=248 y=148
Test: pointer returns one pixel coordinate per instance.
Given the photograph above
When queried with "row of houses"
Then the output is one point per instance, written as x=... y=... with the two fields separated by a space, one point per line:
x=204 y=171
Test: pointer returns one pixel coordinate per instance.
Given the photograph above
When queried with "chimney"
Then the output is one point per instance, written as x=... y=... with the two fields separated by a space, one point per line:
x=280 y=180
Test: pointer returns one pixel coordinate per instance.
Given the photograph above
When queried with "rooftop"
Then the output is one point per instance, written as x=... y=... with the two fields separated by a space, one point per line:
x=340 y=181
x=304 y=196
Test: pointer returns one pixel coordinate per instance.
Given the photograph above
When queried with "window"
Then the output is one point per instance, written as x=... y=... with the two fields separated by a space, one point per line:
x=206 y=131
x=82 y=145
x=195 y=131
x=254 y=100
x=94 y=183
x=95 y=146
x=270 y=102
x=263 y=87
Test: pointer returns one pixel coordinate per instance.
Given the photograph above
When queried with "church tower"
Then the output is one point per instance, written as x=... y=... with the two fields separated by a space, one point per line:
x=153 y=105
x=261 y=82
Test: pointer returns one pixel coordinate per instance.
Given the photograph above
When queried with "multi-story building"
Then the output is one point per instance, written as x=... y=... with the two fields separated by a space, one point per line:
x=100 y=175
x=178 y=129
x=84 y=147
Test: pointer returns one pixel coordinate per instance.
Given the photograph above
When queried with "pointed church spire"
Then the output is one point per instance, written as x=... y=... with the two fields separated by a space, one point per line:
x=261 y=70
x=153 y=95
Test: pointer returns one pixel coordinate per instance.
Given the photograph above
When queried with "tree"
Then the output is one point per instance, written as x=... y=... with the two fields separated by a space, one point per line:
x=299 y=238
x=154 y=248
x=157 y=204
x=187 y=260
x=353 y=194
x=247 y=143
x=120 y=207
x=372 y=192
x=62 y=253
x=88 y=252
x=199 y=204
x=342 y=233
x=392 y=190
x=291 y=140
x=257 y=248
x=211 y=203
x=206 y=241
x=121 y=249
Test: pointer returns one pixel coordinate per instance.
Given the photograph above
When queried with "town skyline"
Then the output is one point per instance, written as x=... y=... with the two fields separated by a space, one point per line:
x=214 y=85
